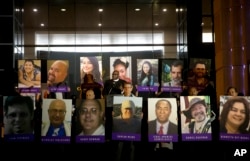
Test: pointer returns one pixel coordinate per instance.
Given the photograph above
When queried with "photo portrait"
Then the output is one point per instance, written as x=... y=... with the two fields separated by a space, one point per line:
x=91 y=65
x=147 y=74
x=198 y=75
x=234 y=118
x=57 y=76
x=122 y=64
x=29 y=75
x=196 y=118
x=90 y=121
x=162 y=120
x=171 y=76
x=18 y=118
x=127 y=115
x=56 y=120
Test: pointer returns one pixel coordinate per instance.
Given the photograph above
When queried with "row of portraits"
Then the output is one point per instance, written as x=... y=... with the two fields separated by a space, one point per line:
x=147 y=75
x=87 y=121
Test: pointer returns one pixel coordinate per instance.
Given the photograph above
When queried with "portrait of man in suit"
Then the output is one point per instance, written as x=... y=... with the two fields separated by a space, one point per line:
x=162 y=125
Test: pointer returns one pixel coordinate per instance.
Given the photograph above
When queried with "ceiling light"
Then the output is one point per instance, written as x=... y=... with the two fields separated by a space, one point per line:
x=35 y=10
x=137 y=9
x=164 y=10
x=63 y=9
x=100 y=9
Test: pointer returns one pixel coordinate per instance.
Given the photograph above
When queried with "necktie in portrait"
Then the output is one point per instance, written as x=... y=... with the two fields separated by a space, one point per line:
x=160 y=132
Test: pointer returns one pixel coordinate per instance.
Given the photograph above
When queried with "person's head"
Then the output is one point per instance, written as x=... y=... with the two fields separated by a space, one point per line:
x=18 y=114
x=196 y=110
x=176 y=71
x=232 y=91
x=235 y=113
x=127 y=88
x=90 y=115
x=200 y=69
x=57 y=112
x=115 y=75
x=88 y=78
x=57 y=72
x=90 y=65
x=121 y=66
x=90 y=94
x=127 y=109
x=163 y=110
x=147 y=68
x=192 y=91
x=28 y=65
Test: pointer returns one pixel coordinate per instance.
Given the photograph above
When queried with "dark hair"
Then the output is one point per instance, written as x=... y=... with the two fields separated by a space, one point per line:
x=93 y=100
x=119 y=61
x=19 y=100
x=164 y=100
x=32 y=61
x=143 y=74
x=96 y=70
x=200 y=62
x=228 y=106
x=231 y=87
x=87 y=77
x=176 y=63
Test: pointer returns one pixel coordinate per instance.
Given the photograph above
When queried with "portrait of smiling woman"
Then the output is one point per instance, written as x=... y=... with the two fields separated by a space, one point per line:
x=91 y=65
x=29 y=73
x=234 y=117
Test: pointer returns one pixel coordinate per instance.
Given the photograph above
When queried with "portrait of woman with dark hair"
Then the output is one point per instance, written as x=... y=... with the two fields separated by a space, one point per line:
x=91 y=65
x=147 y=77
x=29 y=74
x=234 y=116
x=122 y=64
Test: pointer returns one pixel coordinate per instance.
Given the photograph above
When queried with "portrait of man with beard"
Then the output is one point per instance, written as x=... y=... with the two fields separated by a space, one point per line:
x=199 y=77
x=198 y=116
x=57 y=79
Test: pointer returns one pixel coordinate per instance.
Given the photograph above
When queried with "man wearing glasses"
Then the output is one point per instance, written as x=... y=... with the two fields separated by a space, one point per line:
x=91 y=116
x=57 y=126
x=18 y=115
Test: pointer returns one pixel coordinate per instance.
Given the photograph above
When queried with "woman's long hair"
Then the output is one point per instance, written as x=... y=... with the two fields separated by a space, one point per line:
x=150 y=72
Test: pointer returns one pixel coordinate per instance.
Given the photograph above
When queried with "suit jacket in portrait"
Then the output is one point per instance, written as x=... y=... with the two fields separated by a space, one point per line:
x=66 y=127
x=172 y=128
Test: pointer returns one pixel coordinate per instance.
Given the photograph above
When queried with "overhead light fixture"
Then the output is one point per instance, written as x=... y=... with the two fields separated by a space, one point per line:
x=137 y=9
x=63 y=9
x=100 y=10
x=35 y=10
x=164 y=10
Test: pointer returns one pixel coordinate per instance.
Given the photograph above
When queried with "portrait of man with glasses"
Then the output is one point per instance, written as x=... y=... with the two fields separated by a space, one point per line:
x=18 y=116
x=56 y=118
